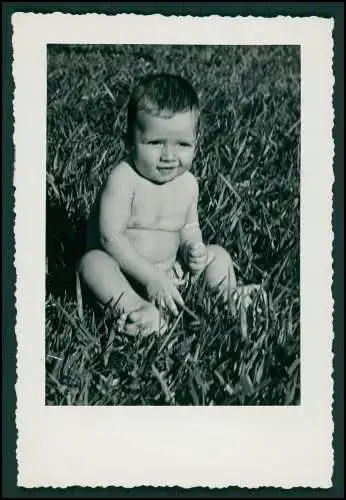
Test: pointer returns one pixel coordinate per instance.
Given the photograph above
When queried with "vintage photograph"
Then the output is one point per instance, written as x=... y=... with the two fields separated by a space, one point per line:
x=173 y=182
x=172 y=225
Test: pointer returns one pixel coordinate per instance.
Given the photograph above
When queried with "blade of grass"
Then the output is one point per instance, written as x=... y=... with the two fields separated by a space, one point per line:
x=229 y=185
x=168 y=396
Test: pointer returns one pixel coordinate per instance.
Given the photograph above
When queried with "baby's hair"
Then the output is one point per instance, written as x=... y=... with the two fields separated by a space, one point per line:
x=161 y=95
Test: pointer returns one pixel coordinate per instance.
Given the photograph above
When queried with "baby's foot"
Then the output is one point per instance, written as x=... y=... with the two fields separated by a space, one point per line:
x=145 y=320
x=243 y=296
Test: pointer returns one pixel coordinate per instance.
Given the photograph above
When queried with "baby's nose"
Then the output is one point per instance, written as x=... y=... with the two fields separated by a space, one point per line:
x=168 y=152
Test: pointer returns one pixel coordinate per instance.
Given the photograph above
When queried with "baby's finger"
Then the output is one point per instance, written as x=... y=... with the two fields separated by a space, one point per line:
x=170 y=304
x=177 y=297
x=173 y=299
x=135 y=317
x=199 y=260
x=157 y=300
x=197 y=267
x=198 y=251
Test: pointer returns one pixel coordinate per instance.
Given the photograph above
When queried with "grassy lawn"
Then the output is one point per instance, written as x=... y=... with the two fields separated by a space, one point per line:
x=248 y=168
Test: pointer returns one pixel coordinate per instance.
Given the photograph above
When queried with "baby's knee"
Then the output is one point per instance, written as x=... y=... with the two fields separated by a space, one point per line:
x=88 y=261
x=220 y=269
x=220 y=254
x=92 y=261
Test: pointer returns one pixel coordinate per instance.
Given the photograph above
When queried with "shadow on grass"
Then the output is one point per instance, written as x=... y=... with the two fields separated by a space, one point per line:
x=65 y=236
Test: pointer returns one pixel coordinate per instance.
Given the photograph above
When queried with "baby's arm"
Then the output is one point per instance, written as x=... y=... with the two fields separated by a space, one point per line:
x=115 y=211
x=192 y=248
x=191 y=233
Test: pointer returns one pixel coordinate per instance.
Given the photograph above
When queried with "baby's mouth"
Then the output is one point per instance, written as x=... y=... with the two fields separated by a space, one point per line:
x=167 y=167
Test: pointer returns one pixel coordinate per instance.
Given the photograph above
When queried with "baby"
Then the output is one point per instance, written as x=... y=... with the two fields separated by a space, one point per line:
x=144 y=225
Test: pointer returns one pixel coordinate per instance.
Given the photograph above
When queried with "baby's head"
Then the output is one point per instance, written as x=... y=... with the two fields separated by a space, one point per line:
x=163 y=127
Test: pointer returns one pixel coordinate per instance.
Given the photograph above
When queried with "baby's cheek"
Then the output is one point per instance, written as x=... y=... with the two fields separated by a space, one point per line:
x=186 y=161
x=150 y=159
x=147 y=155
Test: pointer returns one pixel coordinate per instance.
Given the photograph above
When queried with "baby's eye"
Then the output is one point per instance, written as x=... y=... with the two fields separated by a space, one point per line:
x=155 y=143
x=185 y=144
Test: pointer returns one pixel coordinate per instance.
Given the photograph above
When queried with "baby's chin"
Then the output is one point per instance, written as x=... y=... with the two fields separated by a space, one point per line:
x=171 y=178
x=165 y=178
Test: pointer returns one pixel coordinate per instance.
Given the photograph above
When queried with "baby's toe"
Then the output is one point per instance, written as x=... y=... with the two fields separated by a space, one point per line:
x=138 y=328
x=121 y=322
x=130 y=329
x=250 y=289
x=144 y=321
x=244 y=296
x=255 y=296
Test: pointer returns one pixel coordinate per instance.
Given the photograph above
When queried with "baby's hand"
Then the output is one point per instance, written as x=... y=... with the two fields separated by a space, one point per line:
x=163 y=293
x=197 y=257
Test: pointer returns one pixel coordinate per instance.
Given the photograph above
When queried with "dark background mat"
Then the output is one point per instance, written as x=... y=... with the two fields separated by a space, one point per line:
x=9 y=466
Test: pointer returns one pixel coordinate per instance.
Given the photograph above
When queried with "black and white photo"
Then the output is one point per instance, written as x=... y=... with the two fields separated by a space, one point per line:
x=173 y=281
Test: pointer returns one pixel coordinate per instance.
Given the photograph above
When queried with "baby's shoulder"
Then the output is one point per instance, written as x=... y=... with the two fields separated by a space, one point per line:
x=121 y=175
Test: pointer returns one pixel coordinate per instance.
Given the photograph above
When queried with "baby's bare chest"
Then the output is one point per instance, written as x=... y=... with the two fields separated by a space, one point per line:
x=159 y=208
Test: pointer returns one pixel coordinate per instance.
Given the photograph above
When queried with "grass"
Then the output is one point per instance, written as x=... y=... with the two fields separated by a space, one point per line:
x=248 y=168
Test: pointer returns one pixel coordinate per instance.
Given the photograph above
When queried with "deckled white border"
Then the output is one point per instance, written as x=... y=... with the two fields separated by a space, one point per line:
x=163 y=446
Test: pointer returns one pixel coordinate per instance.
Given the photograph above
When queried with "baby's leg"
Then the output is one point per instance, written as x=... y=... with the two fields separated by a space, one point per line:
x=103 y=277
x=220 y=275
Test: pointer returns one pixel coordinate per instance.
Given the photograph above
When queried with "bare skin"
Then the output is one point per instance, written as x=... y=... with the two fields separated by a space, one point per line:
x=145 y=213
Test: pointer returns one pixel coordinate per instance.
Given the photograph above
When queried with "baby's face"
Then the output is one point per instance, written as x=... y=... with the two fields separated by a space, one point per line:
x=164 y=147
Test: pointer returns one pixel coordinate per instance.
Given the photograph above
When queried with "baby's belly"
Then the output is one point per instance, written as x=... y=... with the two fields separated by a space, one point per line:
x=157 y=246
